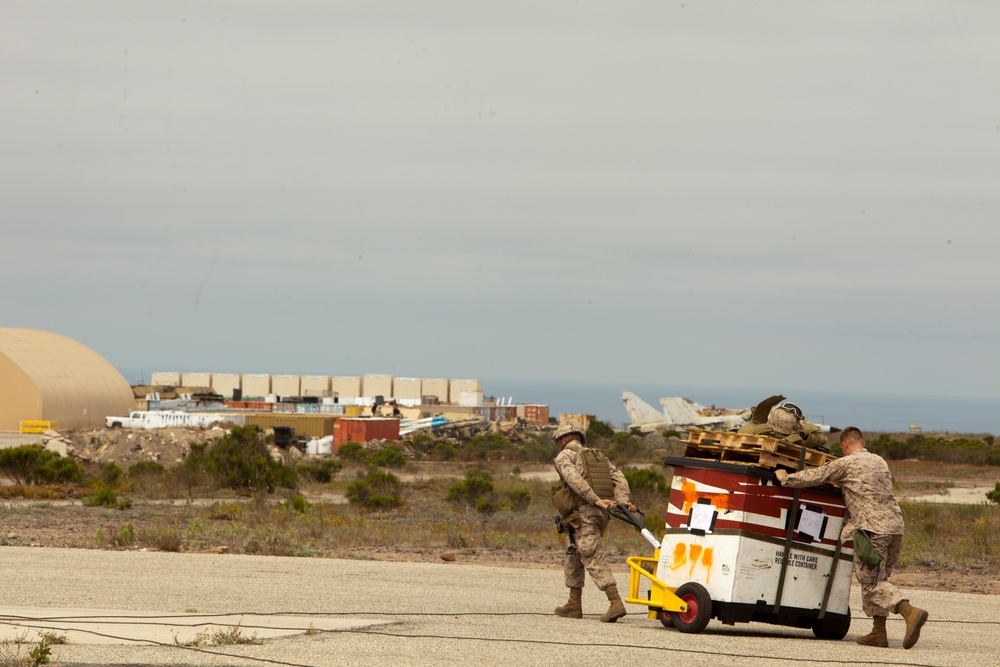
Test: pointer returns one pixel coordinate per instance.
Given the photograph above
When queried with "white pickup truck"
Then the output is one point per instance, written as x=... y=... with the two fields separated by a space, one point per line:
x=172 y=418
x=134 y=420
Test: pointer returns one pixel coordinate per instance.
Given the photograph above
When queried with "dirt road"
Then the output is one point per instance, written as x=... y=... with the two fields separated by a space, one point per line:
x=444 y=614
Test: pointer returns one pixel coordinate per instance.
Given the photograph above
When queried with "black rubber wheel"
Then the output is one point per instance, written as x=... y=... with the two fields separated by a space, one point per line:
x=116 y=425
x=834 y=626
x=665 y=619
x=699 y=612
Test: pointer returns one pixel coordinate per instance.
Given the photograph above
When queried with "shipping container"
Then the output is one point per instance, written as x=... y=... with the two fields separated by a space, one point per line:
x=331 y=409
x=316 y=426
x=307 y=408
x=435 y=387
x=377 y=385
x=226 y=384
x=165 y=379
x=260 y=406
x=501 y=413
x=346 y=386
x=286 y=385
x=406 y=388
x=316 y=385
x=456 y=387
x=283 y=407
x=347 y=429
x=469 y=398
x=256 y=385
x=196 y=380
x=354 y=410
x=536 y=414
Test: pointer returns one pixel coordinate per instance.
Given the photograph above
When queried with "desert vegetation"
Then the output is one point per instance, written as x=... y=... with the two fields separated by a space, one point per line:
x=488 y=495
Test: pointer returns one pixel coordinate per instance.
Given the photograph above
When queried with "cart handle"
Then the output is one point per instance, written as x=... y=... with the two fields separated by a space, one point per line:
x=622 y=514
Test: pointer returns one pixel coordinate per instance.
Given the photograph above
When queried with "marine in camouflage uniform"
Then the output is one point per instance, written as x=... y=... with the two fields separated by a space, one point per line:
x=589 y=522
x=866 y=483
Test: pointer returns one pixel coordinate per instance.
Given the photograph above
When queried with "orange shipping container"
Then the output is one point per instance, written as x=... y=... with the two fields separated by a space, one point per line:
x=348 y=429
x=537 y=414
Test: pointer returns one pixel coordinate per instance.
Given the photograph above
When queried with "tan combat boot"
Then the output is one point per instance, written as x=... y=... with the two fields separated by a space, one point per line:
x=573 y=608
x=915 y=619
x=878 y=636
x=617 y=608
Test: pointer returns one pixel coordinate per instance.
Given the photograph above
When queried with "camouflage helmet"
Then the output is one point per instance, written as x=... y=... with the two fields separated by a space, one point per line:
x=785 y=418
x=567 y=427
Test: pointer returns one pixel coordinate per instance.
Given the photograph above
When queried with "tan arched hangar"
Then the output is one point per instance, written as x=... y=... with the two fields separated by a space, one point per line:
x=48 y=377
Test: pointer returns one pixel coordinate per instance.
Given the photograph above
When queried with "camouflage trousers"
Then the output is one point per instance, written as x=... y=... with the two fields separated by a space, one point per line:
x=589 y=525
x=878 y=596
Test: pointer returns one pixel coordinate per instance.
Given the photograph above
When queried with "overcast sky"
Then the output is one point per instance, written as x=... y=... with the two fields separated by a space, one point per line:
x=783 y=194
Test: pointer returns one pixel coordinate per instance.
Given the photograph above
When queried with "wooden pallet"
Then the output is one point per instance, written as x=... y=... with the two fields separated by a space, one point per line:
x=758 y=450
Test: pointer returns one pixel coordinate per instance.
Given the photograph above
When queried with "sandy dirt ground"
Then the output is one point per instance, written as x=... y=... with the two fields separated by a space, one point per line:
x=444 y=614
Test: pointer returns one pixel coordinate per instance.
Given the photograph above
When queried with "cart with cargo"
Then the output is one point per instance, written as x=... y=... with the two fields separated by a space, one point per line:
x=740 y=548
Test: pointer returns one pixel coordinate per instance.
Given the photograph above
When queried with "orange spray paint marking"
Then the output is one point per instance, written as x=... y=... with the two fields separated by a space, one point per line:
x=691 y=496
x=706 y=560
x=680 y=555
x=695 y=552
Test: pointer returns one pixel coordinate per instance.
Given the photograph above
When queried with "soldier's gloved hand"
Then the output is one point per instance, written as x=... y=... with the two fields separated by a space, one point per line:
x=782 y=475
x=630 y=507
x=605 y=504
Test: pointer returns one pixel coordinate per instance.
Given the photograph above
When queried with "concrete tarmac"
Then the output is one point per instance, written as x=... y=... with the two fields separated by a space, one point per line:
x=424 y=614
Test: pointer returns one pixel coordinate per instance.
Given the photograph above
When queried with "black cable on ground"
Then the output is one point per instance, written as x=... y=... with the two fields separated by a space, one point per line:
x=634 y=646
x=93 y=619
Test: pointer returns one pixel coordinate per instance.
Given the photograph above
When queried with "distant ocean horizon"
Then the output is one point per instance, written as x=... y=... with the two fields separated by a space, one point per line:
x=889 y=413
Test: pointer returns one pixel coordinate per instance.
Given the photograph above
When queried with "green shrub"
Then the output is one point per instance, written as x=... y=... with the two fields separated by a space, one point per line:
x=486 y=504
x=321 y=472
x=956 y=450
x=378 y=490
x=646 y=486
x=478 y=484
x=422 y=440
x=994 y=495
x=625 y=447
x=518 y=499
x=445 y=451
x=146 y=469
x=388 y=457
x=352 y=451
x=116 y=537
x=599 y=429
x=298 y=504
x=104 y=497
x=490 y=447
x=240 y=460
x=33 y=464
x=109 y=473
x=61 y=470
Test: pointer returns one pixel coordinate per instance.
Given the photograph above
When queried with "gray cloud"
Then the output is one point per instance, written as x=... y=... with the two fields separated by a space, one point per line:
x=766 y=194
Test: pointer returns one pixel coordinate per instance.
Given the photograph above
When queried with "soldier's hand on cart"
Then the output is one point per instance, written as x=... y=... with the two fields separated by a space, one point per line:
x=630 y=507
x=781 y=475
x=606 y=504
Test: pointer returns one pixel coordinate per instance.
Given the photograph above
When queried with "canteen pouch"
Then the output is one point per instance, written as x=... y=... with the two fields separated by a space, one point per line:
x=864 y=549
x=564 y=501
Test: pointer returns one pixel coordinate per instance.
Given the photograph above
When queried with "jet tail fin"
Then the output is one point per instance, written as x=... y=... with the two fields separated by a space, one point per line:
x=641 y=412
x=681 y=410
